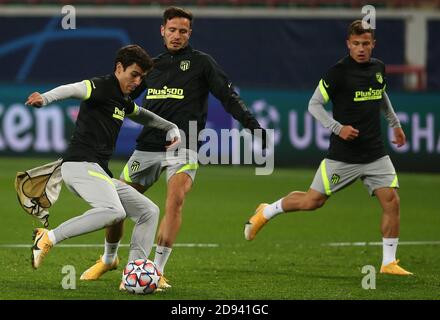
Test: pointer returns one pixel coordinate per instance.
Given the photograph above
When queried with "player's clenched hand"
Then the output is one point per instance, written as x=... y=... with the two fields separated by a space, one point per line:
x=348 y=133
x=174 y=136
x=399 y=137
x=173 y=145
x=35 y=100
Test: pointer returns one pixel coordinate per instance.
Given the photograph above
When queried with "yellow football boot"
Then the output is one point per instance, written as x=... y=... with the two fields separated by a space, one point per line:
x=98 y=269
x=41 y=246
x=255 y=223
x=394 y=268
x=163 y=283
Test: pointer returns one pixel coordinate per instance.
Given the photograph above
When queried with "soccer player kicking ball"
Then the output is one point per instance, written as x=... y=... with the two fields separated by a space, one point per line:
x=356 y=86
x=178 y=88
x=105 y=102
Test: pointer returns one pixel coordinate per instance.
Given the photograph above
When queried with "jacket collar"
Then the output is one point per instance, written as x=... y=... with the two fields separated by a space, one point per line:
x=183 y=51
x=355 y=63
x=116 y=83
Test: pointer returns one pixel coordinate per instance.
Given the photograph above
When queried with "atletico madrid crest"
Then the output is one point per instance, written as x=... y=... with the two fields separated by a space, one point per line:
x=135 y=166
x=379 y=77
x=184 y=65
x=335 y=178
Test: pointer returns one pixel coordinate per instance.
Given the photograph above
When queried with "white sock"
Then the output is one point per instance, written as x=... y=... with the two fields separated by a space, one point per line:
x=389 y=250
x=110 y=252
x=52 y=238
x=161 y=257
x=273 y=209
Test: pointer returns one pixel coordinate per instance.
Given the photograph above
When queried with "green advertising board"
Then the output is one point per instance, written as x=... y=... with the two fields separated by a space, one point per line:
x=27 y=131
x=299 y=139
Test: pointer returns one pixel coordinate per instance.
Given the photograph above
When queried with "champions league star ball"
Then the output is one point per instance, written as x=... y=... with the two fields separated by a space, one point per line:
x=268 y=117
x=140 y=276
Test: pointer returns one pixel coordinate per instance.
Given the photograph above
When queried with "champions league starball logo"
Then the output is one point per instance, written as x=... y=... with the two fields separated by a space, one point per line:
x=268 y=117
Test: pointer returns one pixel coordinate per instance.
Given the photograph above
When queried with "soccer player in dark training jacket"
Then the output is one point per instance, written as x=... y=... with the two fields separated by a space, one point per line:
x=105 y=103
x=356 y=86
x=177 y=90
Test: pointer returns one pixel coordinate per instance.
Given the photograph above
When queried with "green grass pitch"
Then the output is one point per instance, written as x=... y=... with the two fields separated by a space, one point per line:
x=288 y=260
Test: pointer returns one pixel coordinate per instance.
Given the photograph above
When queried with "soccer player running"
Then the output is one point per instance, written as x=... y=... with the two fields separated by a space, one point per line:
x=105 y=102
x=356 y=86
x=177 y=90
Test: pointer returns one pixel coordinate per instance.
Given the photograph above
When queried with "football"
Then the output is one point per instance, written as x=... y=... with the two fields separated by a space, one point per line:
x=140 y=276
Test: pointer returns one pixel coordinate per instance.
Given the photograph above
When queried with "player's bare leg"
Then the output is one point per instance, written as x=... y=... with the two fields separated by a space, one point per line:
x=303 y=201
x=390 y=226
x=294 y=201
x=390 y=202
x=178 y=186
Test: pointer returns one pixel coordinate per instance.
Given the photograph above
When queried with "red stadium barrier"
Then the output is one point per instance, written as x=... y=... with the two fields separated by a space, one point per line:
x=267 y=3
x=418 y=72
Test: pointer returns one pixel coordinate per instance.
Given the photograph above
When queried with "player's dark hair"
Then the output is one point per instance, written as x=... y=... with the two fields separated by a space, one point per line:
x=357 y=28
x=176 y=12
x=131 y=54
